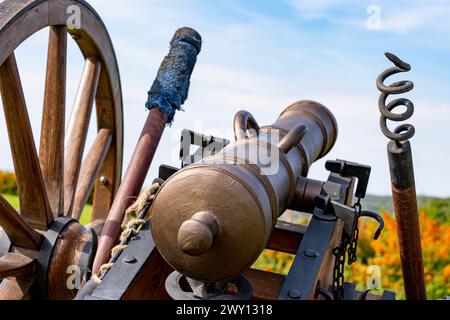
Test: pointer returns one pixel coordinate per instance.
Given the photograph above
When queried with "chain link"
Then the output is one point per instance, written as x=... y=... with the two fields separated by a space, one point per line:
x=353 y=246
x=338 y=270
x=349 y=246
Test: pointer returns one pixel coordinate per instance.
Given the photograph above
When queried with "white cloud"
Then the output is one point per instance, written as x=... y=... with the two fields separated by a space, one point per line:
x=417 y=16
x=313 y=9
x=262 y=63
x=399 y=17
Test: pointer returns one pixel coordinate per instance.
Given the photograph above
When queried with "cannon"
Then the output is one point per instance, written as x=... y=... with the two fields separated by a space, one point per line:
x=225 y=230
x=197 y=230
x=212 y=241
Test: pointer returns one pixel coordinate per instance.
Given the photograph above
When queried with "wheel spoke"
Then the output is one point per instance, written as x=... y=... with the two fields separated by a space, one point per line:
x=104 y=189
x=15 y=265
x=90 y=169
x=111 y=171
x=18 y=231
x=78 y=129
x=34 y=205
x=51 y=152
x=15 y=288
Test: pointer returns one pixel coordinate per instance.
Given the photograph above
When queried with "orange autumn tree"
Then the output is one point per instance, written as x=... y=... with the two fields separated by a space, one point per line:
x=8 y=184
x=384 y=253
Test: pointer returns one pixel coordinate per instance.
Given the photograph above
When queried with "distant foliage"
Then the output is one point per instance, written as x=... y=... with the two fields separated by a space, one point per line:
x=438 y=209
x=384 y=252
x=8 y=184
x=435 y=231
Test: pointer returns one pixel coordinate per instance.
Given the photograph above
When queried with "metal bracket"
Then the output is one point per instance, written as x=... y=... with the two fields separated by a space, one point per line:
x=350 y=293
x=351 y=169
x=165 y=172
x=347 y=214
x=350 y=215
x=208 y=146
x=86 y=260
x=301 y=281
x=45 y=254
x=129 y=263
x=334 y=202
x=207 y=291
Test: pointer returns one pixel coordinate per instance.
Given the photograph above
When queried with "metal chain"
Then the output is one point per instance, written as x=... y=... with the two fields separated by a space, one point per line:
x=349 y=246
x=353 y=246
x=338 y=270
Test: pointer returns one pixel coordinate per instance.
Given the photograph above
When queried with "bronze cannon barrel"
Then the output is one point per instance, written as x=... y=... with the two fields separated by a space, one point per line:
x=212 y=219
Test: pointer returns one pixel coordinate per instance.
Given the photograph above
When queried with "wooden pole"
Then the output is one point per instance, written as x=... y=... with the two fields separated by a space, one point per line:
x=402 y=177
x=168 y=92
x=131 y=184
x=406 y=214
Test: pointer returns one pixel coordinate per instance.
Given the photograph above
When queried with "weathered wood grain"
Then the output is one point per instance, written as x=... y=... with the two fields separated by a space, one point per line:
x=19 y=19
x=15 y=265
x=34 y=205
x=286 y=237
x=66 y=253
x=51 y=151
x=15 y=288
x=131 y=185
x=77 y=130
x=111 y=172
x=89 y=170
x=19 y=232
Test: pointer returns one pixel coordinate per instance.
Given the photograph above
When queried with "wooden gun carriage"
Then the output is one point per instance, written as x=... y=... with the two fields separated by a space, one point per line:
x=40 y=244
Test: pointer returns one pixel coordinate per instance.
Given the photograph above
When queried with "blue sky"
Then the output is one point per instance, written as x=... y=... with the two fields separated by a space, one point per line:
x=262 y=56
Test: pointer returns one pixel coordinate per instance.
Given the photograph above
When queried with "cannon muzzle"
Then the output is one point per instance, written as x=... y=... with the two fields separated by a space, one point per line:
x=212 y=219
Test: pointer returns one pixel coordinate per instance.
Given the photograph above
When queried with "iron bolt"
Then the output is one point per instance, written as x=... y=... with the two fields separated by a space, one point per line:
x=103 y=180
x=76 y=37
x=294 y=294
x=310 y=253
x=129 y=260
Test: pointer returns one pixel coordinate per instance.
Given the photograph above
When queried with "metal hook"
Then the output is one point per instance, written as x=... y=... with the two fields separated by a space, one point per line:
x=326 y=294
x=363 y=296
x=377 y=217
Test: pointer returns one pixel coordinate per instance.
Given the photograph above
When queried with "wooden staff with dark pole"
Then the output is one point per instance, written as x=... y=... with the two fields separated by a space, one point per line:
x=168 y=92
x=402 y=179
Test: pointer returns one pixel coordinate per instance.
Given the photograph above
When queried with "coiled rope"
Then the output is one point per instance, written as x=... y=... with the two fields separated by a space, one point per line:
x=135 y=218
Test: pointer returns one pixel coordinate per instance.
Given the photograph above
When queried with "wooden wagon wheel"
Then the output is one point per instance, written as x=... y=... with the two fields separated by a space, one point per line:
x=55 y=183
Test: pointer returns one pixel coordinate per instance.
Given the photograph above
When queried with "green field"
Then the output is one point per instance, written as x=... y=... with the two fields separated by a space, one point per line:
x=85 y=218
